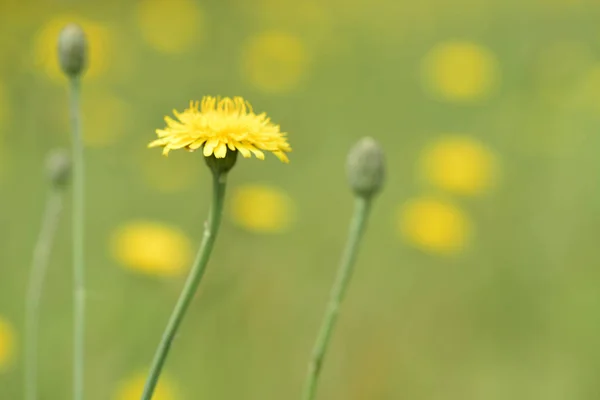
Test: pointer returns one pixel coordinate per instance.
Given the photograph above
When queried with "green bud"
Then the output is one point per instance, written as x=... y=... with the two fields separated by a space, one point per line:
x=72 y=50
x=222 y=165
x=58 y=167
x=366 y=167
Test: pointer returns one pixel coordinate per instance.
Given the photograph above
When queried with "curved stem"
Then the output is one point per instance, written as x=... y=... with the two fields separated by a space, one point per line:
x=211 y=229
x=344 y=274
x=39 y=267
x=78 y=241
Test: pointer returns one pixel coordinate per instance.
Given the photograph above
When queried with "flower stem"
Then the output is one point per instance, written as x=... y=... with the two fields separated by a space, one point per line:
x=39 y=266
x=344 y=274
x=211 y=228
x=78 y=240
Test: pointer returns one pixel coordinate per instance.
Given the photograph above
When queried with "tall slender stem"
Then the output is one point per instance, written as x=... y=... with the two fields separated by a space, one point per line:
x=78 y=241
x=39 y=266
x=344 y=274
x=211 y=229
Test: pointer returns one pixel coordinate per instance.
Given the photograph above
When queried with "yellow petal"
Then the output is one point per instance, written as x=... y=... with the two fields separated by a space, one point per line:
x=244 y=151
x=221 y=150
x=259 y=154
x=156 y=143
x=209 y=147
x=281 y=155
x=197 y=144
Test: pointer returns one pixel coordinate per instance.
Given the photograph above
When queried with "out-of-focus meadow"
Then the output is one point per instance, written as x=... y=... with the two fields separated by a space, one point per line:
x=479 y=276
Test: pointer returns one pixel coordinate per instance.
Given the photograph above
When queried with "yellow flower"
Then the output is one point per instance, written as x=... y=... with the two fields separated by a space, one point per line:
x=151 y=248
x=459 y=164
x=434 y=225
x=222 y=124
x=7 y=344
x=262 y=209
x=133 y=388
x=460 y=71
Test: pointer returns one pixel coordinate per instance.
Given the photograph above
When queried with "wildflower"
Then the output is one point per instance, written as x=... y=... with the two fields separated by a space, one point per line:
x=218 y=125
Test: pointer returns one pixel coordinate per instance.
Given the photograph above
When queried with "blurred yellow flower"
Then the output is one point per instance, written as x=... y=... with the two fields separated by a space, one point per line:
x=170 y=26
x=221 y=125
x=99 y=39
x=275 y=62
x=7 y=344
x=460 y=71
x=262 y=209
x=104 y=118
x=133 y=388
x=151 y=248
x=459 y=164
x=434 y=225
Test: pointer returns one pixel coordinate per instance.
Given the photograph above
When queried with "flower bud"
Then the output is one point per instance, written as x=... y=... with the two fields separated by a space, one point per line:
x=366 y=167
x=222 y=165
x=58 y=167
x=72 y=50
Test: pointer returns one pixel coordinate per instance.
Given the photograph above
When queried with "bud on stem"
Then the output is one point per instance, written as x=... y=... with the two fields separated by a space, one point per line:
x=72 y=50
x=366 y=167
x=58 y=168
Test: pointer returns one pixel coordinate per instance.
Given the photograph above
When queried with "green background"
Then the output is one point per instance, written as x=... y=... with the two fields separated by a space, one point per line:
x=514 y=316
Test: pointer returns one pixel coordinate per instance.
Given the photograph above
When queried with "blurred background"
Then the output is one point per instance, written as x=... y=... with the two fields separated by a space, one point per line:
x=478 y=278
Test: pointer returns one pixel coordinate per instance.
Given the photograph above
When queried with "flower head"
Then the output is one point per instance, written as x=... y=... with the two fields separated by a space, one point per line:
x=218 y=125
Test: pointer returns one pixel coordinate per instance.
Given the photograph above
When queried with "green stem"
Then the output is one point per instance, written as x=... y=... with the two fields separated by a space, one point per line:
x=39 y=266
x=211 y=229
x=78 y=240
x=344 y=274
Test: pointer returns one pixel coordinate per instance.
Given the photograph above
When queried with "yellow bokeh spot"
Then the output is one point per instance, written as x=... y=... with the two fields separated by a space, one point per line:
x=45 y=46
x=275 y=62
x=170 y=26
x=460 y=71
x=262 y=209
x=434 y=225
x=104 y=119
x=459 y=164
x=133 y=388
x=151 y=248
x=7 y=344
